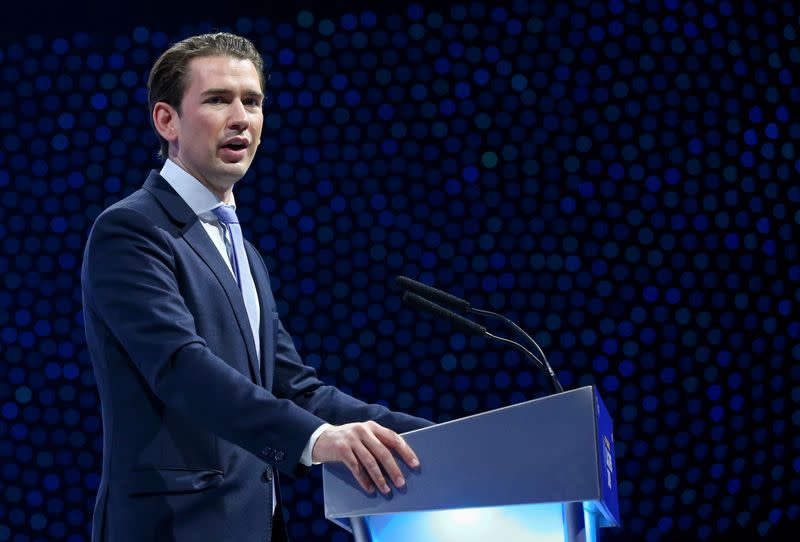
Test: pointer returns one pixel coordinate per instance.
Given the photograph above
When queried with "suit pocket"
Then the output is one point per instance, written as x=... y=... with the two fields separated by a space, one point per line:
x=275 y=322
x=167 y=480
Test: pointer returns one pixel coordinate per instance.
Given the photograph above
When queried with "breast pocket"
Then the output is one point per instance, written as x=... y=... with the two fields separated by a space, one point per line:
x=275 y=322
x=271 y=348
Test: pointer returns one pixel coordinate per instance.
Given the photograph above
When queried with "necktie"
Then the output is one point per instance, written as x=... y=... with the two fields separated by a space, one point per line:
x=241 y=269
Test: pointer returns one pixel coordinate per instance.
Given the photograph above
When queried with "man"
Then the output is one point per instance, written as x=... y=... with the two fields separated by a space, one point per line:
x=205 y=399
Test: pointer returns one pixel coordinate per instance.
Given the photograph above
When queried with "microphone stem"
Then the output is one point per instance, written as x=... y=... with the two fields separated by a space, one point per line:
x=539 y=364
x=510 y=323
x=543 y=364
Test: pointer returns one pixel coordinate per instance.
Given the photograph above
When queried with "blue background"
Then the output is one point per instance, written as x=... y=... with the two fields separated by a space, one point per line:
x=618 y=177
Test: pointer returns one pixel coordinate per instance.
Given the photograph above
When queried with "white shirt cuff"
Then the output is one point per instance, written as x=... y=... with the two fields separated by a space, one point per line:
x=305 y=457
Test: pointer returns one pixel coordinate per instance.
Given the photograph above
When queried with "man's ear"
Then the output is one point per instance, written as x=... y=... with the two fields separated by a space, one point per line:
x=166 y=121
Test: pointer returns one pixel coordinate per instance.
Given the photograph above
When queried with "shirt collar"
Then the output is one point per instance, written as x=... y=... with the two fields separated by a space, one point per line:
x=199 y=198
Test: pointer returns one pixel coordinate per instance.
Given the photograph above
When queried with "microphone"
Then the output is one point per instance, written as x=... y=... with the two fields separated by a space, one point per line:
x=429 y=292
x=468 y=326
x=458 y=321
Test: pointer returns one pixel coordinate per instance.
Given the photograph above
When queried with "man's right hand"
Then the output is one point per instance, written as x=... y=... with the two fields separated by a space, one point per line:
x=366 y=449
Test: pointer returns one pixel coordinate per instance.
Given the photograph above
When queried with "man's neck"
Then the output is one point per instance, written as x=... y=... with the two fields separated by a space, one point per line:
x=225 y=195
x=196 y=194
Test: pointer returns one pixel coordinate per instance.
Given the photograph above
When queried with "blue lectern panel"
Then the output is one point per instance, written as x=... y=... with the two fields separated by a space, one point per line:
x=605 y=447
x=520 y=523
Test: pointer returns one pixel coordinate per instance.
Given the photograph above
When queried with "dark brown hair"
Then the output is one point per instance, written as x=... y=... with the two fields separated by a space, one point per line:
x=167 y=81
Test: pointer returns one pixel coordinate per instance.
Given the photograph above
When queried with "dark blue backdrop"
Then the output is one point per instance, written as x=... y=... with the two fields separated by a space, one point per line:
x=618 y=177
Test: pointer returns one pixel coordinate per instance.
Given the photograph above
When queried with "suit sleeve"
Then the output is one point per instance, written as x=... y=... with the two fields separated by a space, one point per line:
x=129 y=282
x=298 y=382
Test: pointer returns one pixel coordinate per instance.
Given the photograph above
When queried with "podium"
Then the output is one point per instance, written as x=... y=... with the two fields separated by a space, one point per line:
x=539 y=471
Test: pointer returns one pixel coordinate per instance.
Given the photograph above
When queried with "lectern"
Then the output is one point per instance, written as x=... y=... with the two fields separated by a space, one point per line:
x=539 y=471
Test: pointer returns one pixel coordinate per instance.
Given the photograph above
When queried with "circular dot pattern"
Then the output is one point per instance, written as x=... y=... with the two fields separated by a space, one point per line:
x=618 y=177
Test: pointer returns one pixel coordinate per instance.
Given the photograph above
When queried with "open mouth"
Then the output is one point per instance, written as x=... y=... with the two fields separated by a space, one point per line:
x=235 y=146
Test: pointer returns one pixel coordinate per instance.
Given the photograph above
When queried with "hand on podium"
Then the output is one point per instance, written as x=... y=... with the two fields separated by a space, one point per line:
x=366 y=449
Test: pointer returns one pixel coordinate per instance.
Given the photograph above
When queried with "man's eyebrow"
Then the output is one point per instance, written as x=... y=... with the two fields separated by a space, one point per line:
x=256 y=93
x=248 y=92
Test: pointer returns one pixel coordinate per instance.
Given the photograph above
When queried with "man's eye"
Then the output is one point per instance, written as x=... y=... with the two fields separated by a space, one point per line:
x=214 y=100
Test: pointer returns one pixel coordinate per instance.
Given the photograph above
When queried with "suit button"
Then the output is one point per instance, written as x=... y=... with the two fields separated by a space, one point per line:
x=267 y=475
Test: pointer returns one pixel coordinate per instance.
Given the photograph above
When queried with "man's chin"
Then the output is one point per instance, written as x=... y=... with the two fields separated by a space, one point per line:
x=234 y=170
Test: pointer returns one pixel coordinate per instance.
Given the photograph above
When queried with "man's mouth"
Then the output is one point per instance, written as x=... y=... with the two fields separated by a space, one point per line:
x=235 y=146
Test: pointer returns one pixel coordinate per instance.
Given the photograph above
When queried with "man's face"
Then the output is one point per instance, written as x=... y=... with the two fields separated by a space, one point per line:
x=219 y=127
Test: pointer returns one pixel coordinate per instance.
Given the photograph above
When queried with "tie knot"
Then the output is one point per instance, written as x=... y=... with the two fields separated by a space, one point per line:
x=226 y=214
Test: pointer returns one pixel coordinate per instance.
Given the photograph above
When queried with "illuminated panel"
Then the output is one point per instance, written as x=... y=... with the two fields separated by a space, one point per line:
x=523 y=523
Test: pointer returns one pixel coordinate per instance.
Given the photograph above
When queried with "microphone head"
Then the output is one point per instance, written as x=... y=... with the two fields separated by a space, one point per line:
x=404 y=282
x=431 y=293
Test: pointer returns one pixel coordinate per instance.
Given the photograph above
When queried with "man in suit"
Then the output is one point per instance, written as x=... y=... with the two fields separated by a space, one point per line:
x=204 y=397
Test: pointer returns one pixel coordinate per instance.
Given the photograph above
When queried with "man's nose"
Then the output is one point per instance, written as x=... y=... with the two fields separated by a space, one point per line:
x=238 y=116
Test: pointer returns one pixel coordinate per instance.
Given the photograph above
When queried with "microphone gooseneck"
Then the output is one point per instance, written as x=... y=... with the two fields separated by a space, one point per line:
x=464 y=324
x=444 y=298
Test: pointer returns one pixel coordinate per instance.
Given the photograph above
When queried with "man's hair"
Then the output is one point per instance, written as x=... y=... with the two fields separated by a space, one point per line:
x=168 y=78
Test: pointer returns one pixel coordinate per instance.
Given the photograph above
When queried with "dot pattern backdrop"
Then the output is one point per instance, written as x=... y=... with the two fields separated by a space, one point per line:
x=618 y=177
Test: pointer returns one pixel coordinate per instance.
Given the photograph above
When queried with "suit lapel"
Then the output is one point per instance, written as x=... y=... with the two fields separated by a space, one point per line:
x=195 y=235
x=269 y=322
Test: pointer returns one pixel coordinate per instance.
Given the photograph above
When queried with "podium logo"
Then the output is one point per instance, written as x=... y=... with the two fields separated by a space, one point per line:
x=609 y=461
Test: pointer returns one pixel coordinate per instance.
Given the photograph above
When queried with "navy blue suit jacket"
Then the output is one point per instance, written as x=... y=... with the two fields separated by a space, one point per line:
x=194 y=425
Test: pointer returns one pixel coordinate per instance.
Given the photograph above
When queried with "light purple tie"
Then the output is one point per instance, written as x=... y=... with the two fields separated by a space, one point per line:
x=241 y=269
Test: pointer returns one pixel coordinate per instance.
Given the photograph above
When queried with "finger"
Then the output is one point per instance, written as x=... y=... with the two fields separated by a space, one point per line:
x=369 y=464
x=359 y=473
x=385 y=458
x=397 y=443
